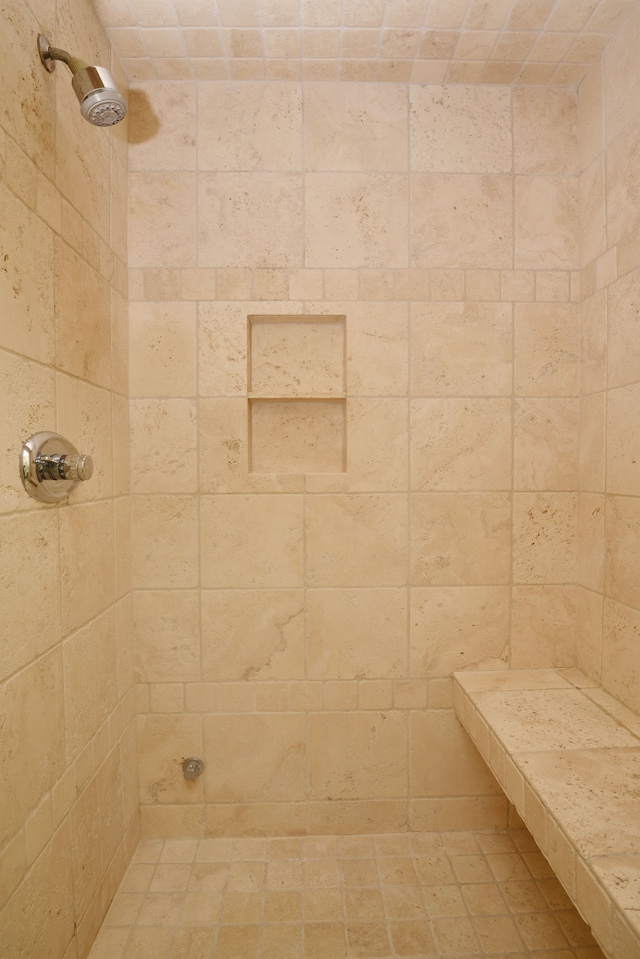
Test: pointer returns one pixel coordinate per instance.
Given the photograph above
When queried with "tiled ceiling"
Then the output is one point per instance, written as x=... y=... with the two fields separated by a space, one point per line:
x=422 y=41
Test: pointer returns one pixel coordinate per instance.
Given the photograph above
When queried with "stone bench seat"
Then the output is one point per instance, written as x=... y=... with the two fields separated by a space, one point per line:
x=567 y=755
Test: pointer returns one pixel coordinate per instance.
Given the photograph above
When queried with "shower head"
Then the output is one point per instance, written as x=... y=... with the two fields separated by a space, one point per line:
x=101 y=102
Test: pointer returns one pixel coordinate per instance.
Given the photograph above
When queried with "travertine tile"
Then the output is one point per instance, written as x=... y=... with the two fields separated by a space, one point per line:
x=598 y=338
x=356 y=540
x=372 y=762
x=237 y=544
x=162 y=235
x=162 y=341
x=124 y=660
x=257 y=757
x=346 y=124
x=222 y=348
x=27 y=637
x=460 y=129
x=49 y=884
x=377 y=349
x=593 y=241
x=532 y=720
x=546 y=444
x=591 y=540
x=545 y=131
x=165 y=535
x=460 y=539
x=169 y=426
x=547 y=349
x=623 y=467
x=622 y=184
x=457 y=628
x=263 y=124
x=85 y=413
x=89 y=661
x=455 y=936
x=544 y=537
x=540 y=929
x=462 y=221
x=461 y=349
x=320 y=42
x=546 y=218
x=87 y=577
x=266 y=206
x=252 y=634
x=167 y=645
x=357 y=633
x=119 y=343
x=26 y=281
x=622 y=79
x=619 y=660
x=589 y=633
x=592 y=835
x=382 y=466
x=592 y=451
x=543 y=626
x=373 y=212
x=263 y=819
x=622 y=325
x=620 y=876
x=458 y=762
x=32 y=708
x=461 y=444
x=446 y=285
x=162 y=116
x=622 y=516
x=591 y=115
x=23 y=415
x=82 y=318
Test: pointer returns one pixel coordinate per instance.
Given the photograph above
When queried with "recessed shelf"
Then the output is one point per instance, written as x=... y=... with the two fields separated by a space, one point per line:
x=297 y=435
x=297 y=355
x=297 y=394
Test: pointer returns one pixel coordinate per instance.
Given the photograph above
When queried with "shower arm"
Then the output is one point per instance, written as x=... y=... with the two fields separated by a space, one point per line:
x=49 y=55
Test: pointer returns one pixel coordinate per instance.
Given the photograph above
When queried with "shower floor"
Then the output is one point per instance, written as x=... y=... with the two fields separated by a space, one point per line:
x=418 y=895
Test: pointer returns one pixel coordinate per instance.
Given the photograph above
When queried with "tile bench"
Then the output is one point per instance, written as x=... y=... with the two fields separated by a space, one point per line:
x=567 y=755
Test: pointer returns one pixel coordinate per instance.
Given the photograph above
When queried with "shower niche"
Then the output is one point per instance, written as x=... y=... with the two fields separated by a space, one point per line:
x=297 y=394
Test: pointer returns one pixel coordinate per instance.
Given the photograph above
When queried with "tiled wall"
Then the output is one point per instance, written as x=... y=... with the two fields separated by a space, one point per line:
x=298 y=630
x=68 y=777
x=609 y=500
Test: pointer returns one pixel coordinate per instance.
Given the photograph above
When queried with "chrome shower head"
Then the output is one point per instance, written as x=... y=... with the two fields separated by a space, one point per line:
x=101 y=102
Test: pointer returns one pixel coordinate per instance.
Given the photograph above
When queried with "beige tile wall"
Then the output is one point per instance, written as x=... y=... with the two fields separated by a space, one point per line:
x=609 y=490
x=298 y=631
x=68 y=770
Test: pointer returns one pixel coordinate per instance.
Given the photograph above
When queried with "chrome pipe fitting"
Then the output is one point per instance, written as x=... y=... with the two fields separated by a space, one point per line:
x=192 y=768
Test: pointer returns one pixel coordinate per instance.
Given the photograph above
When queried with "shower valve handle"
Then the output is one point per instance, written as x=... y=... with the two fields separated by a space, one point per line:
x=60 y=466
x=51 y=467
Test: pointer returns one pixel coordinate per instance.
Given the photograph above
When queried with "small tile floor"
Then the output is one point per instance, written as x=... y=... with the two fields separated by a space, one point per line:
x=416 y=896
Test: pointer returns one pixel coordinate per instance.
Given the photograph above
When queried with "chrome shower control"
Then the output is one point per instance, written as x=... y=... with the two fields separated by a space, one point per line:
x=78 y=467
x=58 y=466
x=51 y=467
